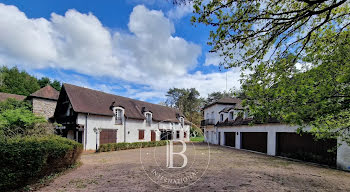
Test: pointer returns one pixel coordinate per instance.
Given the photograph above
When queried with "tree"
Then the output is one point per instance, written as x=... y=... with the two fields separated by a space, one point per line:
x=247 y=32
x=47 y=81
x=17 y=82
x=57 y=85
x=214 y=96
x=187 y=101
x=44 y=81
x=318 y=97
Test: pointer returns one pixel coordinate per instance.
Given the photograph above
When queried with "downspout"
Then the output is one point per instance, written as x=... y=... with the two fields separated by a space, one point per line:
x=85 y=131
x=125 y=129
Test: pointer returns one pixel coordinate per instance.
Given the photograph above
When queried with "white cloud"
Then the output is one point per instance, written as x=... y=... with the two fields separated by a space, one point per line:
x=148 y=55
x=180 y=11
x=212 y=59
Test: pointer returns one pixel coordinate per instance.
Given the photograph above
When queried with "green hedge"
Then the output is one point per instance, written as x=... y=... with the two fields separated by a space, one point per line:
x=124 y=146
x=27 y=159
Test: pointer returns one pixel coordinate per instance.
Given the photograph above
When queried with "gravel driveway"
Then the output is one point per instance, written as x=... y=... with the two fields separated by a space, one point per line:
x=229 y=170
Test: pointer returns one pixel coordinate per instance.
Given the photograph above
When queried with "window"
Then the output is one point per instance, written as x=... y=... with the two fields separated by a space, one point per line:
x=222 y=117
x=177 y=134
x=141 y=134
x=148 y=119
x=185 y=134
x=182 y=121
x=232 y=117
x=119 y=116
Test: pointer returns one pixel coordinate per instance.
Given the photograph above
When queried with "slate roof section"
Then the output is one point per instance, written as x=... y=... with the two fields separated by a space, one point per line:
x=5 y=96
x=46 y=92
x=227 y=101
x=86 y=100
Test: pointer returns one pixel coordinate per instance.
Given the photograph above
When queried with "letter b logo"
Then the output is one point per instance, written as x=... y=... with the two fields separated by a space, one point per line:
x=170 y=154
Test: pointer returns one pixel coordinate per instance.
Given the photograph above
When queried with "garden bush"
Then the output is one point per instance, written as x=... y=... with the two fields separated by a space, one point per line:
x=124 y=146
x=26 y=159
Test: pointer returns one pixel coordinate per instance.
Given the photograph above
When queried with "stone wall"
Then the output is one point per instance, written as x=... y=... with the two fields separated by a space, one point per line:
x=44 y=107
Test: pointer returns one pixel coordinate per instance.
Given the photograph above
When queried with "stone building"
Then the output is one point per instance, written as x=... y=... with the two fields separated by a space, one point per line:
x=44 y=101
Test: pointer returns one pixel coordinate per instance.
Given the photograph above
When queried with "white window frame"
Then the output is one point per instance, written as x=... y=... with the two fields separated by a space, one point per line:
x=221 y=117
x=182 y=121
x=148 y=121
x=120 y=120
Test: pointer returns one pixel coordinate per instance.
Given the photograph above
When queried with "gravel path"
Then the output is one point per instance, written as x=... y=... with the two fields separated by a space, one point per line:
x=229 y=170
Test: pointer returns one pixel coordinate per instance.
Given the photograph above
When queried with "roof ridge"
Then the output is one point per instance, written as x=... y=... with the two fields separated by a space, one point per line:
x=121 y=96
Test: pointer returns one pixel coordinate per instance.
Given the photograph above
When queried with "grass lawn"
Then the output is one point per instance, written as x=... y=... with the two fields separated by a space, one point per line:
x=197 y=139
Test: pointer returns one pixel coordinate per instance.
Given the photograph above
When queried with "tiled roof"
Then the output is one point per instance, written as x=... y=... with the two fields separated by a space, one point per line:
x=46 y=92
x=227 y=101
x=4 y=96
x=86 y=100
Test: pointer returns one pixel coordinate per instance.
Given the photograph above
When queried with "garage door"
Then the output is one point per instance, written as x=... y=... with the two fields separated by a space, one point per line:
x=230 y=139
x=304 y=147
x=255 y=141
x=108 y=136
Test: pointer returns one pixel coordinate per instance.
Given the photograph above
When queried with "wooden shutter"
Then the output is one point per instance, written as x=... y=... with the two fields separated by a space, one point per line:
x=141 y=134
x=185 y=134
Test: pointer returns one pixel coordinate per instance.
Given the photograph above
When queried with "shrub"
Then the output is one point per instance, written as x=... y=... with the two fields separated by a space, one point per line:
x=27 y=159
x=124 y=146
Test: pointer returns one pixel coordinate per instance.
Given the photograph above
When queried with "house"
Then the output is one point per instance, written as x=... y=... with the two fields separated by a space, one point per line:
x=227 y=123
x=43 y=101
x=93 y=118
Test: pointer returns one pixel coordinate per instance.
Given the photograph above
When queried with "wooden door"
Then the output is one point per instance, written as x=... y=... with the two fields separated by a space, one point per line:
x=230 y=139
x=108 y=136
x=255 y=141
x=304 y=147
x=153 y=136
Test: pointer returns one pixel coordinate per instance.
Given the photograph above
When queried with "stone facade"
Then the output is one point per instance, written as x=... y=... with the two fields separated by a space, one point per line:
x=44 y=107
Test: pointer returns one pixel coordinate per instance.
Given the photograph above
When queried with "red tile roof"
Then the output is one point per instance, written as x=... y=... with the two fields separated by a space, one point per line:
x=46 y=92
x=5 y=96
x=86 y=100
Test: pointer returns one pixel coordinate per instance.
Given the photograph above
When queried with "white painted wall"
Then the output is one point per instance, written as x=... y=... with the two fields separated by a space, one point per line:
x=130 y=127
x=343 y=152
x=216 y=109
x=343 y=156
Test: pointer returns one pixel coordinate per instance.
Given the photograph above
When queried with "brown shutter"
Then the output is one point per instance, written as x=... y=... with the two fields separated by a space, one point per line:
x=141 y=134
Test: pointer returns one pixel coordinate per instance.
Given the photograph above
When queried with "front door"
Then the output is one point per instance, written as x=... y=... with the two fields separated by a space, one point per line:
x=153 y=135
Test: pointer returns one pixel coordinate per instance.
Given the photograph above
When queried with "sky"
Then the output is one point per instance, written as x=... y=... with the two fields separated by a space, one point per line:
x=133 y=48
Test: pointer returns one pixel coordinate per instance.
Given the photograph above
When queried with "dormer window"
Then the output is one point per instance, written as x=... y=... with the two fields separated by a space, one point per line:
x=232 y=115
x=182 y=121
x=148 y=119
x=221 y=117
x=119 y=116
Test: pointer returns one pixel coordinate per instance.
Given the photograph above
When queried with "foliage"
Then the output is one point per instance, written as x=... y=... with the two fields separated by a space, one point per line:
x=20 y=122
x=17 y=82
x=47 y=81
x=11 y=103
x=317 y=96
x=21 y=83
x=247 y=32
x=27 y=159
x=125 y=146
x=187 y=101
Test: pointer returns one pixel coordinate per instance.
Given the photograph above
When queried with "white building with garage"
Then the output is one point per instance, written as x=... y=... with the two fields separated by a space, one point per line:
x=93 y=118
x=227 y=123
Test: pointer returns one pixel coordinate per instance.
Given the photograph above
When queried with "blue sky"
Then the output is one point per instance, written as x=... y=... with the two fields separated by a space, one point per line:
x=135 y=48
